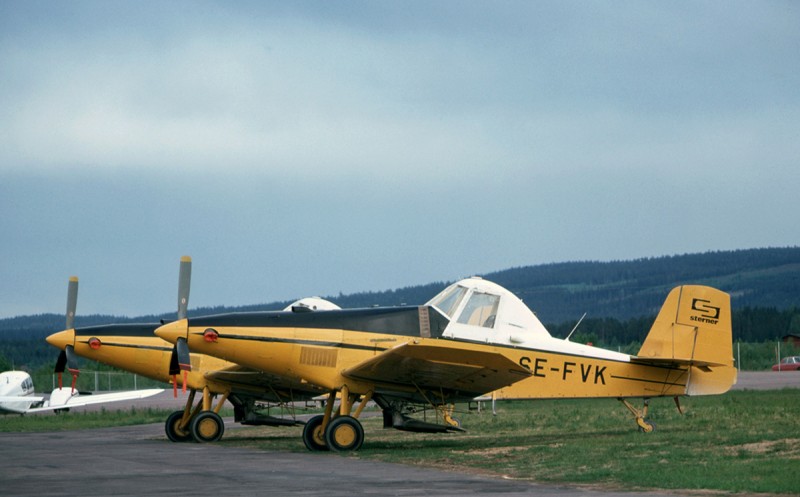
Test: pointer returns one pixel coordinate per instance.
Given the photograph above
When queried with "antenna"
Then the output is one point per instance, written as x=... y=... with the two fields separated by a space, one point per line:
x=576 y=327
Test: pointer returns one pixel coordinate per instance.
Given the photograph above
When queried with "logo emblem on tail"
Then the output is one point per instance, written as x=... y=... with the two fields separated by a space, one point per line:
x=709 y=314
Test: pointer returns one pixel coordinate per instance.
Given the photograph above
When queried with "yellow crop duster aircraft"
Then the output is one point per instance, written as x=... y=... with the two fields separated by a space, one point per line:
x=135 y=348
x=472 y=339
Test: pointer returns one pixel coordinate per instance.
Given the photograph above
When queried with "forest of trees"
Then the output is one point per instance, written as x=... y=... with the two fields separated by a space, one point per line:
x=621 y=299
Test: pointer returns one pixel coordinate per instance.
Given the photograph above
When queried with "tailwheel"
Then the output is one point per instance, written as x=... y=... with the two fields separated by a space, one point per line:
x=173 y=428
x=314 y=435
x=207 y=427
x=453 y=421
x=645 y=426
x=447 y=415
x=344 y=433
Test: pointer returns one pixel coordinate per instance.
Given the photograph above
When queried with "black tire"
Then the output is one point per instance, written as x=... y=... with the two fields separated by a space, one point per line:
x=171 y=428
x=313 y=436
x=652 y=427
x=207 y=427
x=344 y=434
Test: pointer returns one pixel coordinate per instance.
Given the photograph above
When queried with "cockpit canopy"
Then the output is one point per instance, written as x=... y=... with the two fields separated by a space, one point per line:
x=481 y=310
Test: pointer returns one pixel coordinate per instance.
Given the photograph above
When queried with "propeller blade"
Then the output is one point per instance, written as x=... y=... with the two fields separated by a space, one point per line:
x=181 y=359
x=72 y=301
x=174 y=369
x=61 y=364
x=66 y=357
x=72 y=364
x=184 y=284
x=184 y=359
x=72 y=360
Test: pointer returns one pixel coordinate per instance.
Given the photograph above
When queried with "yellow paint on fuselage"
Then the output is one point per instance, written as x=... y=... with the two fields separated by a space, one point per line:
x=315 y=356
x=559 y=375
x=319 y=356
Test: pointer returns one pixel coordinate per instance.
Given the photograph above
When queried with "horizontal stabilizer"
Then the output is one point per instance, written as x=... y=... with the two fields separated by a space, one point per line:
x=703 y=365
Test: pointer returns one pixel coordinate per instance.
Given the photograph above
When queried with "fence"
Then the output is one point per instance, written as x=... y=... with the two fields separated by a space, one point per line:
x=100 y=381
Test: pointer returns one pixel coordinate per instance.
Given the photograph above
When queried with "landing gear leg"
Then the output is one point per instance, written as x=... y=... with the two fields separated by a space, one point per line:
x=640 y=415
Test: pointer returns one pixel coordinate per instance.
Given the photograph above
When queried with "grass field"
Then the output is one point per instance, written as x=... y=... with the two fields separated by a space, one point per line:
x=738 y=442
x=744 y=441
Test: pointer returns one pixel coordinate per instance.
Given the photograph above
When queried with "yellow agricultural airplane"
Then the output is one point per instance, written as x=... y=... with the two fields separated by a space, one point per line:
x=135 y=348
x=472 y=339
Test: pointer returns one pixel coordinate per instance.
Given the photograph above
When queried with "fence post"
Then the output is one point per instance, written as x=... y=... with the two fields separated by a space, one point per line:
x=739 y=355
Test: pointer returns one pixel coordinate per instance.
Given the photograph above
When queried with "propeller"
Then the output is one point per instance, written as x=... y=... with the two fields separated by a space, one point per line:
x=184 y=285
x=181 y=359
x=67 y=358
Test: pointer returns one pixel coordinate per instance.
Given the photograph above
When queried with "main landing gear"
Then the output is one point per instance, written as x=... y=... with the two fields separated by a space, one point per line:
x=201 y=423
x=339 y=432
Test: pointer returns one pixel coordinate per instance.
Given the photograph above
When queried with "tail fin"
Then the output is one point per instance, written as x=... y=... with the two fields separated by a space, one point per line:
x=694 y=328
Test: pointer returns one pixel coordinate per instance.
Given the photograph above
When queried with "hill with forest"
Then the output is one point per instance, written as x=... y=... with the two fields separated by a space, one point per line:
x=559 y=292
x=620 y=298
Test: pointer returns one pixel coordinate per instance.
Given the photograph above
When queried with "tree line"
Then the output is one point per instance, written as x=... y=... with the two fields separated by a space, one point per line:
x=621 y=299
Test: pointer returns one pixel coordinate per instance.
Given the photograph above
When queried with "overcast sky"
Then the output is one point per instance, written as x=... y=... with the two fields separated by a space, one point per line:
x=312 y=148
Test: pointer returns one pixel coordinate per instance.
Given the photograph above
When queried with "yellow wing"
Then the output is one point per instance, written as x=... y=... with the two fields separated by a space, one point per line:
x=468 y=370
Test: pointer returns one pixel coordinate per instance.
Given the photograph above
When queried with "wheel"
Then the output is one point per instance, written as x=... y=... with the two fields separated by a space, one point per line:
x=174 y=433
x=649 y=427
x=207 y=427
x=313 y=436
x=344 y=433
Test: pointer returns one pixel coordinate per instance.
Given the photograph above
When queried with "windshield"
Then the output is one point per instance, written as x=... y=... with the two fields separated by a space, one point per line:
x=448 y=301
x=481 y=310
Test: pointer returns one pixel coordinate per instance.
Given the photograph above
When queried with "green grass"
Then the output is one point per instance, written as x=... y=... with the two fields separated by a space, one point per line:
x=741 y=442
x=738 y=442
x=78 y=419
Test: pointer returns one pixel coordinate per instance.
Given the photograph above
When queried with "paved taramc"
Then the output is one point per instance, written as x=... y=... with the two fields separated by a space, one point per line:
x=138 y=460
x=134 y=461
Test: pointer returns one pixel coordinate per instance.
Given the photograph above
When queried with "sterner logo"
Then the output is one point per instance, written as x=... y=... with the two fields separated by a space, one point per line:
x=709 y=313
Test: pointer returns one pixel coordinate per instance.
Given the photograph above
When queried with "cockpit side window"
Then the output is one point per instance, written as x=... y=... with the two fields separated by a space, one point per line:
x=448 y=302
x=481 y=310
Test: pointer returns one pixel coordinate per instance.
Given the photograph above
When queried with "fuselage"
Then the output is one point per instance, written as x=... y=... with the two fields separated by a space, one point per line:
x=320 y=348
